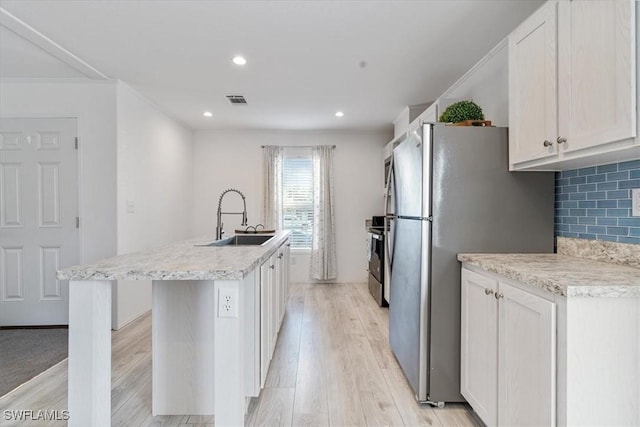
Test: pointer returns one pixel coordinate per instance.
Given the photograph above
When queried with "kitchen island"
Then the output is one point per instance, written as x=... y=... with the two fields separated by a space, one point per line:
x=210 y=312
x=553 y=339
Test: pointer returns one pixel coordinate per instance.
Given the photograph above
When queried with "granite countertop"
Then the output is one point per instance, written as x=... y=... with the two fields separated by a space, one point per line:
x=561 y=274
x=183 y=260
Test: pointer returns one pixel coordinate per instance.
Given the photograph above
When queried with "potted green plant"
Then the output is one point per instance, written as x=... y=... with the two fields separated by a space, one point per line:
x=464 y=113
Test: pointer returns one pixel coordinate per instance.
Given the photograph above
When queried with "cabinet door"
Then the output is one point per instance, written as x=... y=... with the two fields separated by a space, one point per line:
x=252 y=334
x=273 y=304
x=596 y=72
x=280 y=282
x=533 y=101
x=479 y=345
x=527 y=354
x=277 y=303
x=287 y=254
x=283 y=279
x=430 y=114
x=265 y=335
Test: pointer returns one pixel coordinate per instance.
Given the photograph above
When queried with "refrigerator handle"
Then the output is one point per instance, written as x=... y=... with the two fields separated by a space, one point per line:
x=387 y=241
x=388 y=216
x=387 y=190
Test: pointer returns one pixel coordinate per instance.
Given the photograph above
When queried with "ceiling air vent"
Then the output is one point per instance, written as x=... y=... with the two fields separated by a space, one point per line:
x=237 y=99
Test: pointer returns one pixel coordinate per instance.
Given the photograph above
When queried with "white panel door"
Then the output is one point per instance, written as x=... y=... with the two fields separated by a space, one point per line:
x=38 y=210
x=526 y=359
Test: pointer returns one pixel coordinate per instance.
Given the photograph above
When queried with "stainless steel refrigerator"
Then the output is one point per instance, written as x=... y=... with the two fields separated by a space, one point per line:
x=453 y=193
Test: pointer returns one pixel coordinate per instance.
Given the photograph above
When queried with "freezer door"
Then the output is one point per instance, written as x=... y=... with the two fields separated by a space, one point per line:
x=407 y=174
x=408 y=314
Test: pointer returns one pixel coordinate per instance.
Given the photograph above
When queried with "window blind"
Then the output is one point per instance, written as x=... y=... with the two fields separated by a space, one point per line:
x=297 y=196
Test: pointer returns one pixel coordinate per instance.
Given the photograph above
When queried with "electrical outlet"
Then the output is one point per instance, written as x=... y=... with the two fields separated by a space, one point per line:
x=227 y=302
x=635 y=202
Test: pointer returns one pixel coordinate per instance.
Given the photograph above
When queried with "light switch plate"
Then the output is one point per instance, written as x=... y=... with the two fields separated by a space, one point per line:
x=635 y=202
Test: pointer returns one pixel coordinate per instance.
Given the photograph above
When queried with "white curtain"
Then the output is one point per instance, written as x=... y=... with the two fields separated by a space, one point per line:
x=272 y=191
x=323 y=247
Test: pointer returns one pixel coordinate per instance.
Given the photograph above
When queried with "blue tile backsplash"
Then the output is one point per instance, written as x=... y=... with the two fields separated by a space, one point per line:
x=595 y=202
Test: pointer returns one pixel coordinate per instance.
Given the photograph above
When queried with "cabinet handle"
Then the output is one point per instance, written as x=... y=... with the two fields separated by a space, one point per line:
x=272 y=266
x=547 y=143
x=280 y=256
x=498 y=295
x=488 y=291
x=561 y=140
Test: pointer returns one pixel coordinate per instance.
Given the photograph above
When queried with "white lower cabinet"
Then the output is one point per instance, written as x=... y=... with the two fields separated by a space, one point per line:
x=526 y=358
x=508 y=352
x=531 y=357
x=479 y=332
x=274 y=292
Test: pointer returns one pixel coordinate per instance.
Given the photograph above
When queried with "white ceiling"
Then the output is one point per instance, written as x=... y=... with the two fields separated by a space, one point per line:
x=306 y=59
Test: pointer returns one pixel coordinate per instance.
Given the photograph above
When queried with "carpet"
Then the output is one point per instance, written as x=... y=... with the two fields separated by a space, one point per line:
x=25 y=353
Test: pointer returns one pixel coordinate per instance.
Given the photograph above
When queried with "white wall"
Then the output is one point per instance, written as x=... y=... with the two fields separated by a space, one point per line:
x=154 y=155
x=486 y=83
x=93 y=104
x=129 y=150
x=224 y=159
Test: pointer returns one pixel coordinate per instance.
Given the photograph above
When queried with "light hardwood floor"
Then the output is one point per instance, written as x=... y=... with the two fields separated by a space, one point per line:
x=332 y=367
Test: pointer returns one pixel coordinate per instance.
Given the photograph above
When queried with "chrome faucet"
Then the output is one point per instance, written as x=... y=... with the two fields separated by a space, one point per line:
x=219 y=225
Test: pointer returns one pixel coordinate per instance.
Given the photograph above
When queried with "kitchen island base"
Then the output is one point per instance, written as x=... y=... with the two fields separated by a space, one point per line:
x=216 y=313
x=185 y=328
x=89 y=396
x=198 y=357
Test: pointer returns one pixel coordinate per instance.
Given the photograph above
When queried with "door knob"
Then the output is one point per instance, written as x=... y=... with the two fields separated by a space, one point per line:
x=498 y=295
x=561 y=140
x=488 y=291
x=547 y=143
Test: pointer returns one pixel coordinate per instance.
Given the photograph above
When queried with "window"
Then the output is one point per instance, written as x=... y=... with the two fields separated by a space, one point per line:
x=297 y=196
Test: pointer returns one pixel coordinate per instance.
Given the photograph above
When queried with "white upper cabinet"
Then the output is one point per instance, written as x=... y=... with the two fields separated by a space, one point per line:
x=533 y=103
x=572 y=85
x=406 y=117
x=596 y=72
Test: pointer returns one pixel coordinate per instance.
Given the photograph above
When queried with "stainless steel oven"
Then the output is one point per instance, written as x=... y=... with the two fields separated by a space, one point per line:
x=376 y=264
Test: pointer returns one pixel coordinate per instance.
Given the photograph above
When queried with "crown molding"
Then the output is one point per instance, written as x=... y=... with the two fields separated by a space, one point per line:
x=29 y=33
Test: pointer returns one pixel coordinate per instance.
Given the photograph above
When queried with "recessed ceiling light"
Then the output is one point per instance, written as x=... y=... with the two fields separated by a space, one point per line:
x=339 y=114
x=207 y=114
x=239 y=60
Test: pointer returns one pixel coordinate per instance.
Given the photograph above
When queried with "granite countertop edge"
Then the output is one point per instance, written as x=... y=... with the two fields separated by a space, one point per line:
x=561 y=274
x=183 y=260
